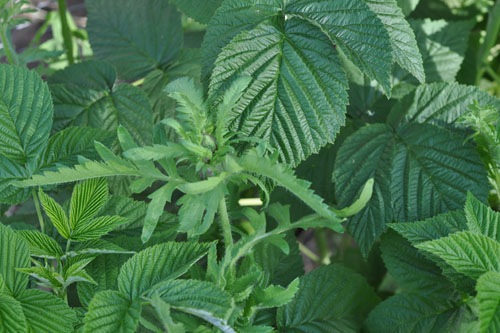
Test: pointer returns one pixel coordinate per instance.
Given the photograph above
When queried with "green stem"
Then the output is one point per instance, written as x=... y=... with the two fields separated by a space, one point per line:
x=38 y=210
x=66 y=31
x=68 y=244
x=308 y=253
x=493 y=74
x=322 y=244
x=225 y=224
x=8 y=48
x=492 y=30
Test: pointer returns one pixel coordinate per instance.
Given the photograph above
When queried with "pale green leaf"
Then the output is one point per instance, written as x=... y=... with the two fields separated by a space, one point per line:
x=330 y=299
x=160 y=262
x=407 y=5
x=163 y=310
x=297 y=98
x=468 y=253
x=284 y=176
x=14 y=253
x=275 y=296
x=87 y=199
x=56 y=214
x=112 y=312
x=404 y=45
x=46 y=313
x=12 y=319
x=488 y=296
x=200 y=298
x=413 y=313
x=156 y=208
x=481 y=218
x=96 y=246
x=41 y=245
x=135 y=39
x=95 y=228
x=84 y=171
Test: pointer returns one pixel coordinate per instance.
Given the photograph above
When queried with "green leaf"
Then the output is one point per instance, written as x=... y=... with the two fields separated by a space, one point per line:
x=275 y=296
x=404 y=45
x=407 y=5
x=163 y=311
x=95 y=228
x=25 y=115
x=488 y=296
x=200 y=11
x=438 y=103
x=411 y=269
x=111 y=311
x=468 y=253
x=96 y=246
x=481 y=219
x=435 y=227
x=297 y=98
x=155 y=209
x=46 y=313
x=14 y=253
x=330 y=299
x=160 y=262
x=198 y=211
x=135 y=39
x=104 y=270
x=98 y=102
x=366 y=154
x=65 y=146
x=12 y=319
x=87 y=199
x=432 y=170
x=41 y=245
x=84 y=171
x=56 y=214
x=25 y=122
x=413 y=313
x=442 y=48
x=285 y=177
x=199 y=298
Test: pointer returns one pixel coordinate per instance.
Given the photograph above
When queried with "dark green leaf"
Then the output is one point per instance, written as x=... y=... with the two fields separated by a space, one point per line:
x=135 y=39
x=14 y=253
x=111 y=312
x=481 y=218
x=46 y=313
x=413 y=313
x=12 y=319
x=200 y=11
x=330 y=299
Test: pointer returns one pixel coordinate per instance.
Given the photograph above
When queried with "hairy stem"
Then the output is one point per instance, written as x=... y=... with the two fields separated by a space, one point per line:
x=36 y=200
x=308 y=253
x=66 y=31
x=492 y=30
x=8 y=48
x=225 y=223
